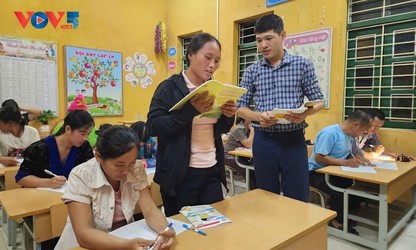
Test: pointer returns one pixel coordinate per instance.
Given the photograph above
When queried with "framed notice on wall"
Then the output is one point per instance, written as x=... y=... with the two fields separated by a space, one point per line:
x=316 y=46
x=94 y=78
x=28 y=72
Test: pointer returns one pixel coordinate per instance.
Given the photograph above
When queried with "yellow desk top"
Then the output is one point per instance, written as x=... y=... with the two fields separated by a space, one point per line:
x=4 y=169
x=260 y=220
x=249 y=153
x=383 y=176
x=24 y=202
x=127 y=122
x=242 y=152
x=396 y=181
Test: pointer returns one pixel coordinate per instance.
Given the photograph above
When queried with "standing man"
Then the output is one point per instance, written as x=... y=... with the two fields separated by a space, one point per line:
x=279 y=80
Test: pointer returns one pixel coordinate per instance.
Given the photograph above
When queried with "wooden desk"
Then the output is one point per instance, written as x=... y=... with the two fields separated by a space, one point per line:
x=392 y=184
x=262 y=220
x=248 y=153
x=243 y=153
x=34 y=205
x=3 y=170
x=127 y=122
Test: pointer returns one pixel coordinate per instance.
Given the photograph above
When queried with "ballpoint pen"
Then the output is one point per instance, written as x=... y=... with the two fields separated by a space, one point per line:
x=159 y=236
x=196 y=230
x=50 y=173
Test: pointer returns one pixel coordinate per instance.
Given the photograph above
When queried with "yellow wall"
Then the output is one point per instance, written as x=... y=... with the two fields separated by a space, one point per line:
x=128 y=26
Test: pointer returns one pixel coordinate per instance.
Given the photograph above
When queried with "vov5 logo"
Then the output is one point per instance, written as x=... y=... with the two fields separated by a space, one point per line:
x=39 y=19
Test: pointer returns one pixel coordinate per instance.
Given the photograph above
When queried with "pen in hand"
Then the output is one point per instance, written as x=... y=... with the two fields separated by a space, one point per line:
x=50 y=173
x=196 y=230
x=160 y=236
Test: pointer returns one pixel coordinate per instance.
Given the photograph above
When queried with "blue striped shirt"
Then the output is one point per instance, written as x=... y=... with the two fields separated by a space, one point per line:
x=284 y=86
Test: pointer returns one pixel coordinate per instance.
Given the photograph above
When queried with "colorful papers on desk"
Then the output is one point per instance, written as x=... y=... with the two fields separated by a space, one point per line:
x=139 y=229
x=360 y=169
x=203 y=216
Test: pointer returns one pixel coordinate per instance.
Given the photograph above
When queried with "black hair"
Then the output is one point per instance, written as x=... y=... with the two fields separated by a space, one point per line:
x=115 y=141
x=77 y=119
x=11 y=103
x=10 y=113
x=360 y=116
x=141 y=132
x=197 y=42
x=376 y=113
x=102 y=127
x=269 y=22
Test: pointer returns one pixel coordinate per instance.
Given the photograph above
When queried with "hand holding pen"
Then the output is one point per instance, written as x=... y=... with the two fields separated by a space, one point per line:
x=56 y=181
x=164 y=238
x=196 y=230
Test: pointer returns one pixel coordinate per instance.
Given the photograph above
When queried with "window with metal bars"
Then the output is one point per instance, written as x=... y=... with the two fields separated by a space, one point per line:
x=247 y=49
x=380 y=62
x=185 y=44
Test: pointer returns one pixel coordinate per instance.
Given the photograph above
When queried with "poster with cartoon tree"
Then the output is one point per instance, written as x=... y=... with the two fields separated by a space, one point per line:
x=94 y=78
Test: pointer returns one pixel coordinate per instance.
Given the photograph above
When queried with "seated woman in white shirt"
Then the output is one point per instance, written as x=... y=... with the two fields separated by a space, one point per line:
x=15 y=135
x=102 y=193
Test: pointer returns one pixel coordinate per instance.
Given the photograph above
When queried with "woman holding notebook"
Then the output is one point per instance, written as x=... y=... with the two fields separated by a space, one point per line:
x=190 y=159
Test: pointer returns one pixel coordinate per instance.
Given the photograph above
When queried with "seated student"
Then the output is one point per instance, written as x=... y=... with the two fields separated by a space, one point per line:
x=29 y=113
x=148 y=145
x=58 y=153
x=241 y=136
x=102 y=193
x=368 y=142
x=333 y=146
x=79 y=103
x=15 y=136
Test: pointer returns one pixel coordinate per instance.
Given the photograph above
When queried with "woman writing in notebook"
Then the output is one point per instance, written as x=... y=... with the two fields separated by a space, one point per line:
x=15 y=135
x=58 y=154
x=102 y=194
x=190 y=159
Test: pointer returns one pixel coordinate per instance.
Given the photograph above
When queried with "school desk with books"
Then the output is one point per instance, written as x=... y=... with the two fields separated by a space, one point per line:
x=222 y=92
x=261 y=220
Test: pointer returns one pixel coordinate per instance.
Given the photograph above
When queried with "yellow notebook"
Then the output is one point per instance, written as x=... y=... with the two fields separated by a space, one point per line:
x=222 y=92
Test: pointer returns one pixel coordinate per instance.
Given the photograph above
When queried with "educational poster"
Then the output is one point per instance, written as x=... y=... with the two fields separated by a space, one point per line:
x=139 y=70
x=316 y=46
x=28 y=72
x=94 y=78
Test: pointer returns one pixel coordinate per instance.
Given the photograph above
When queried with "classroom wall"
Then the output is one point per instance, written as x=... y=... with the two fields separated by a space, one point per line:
x=128 y=26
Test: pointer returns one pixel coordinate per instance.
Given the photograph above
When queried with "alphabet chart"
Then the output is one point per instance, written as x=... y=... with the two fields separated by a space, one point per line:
x=316 y=46
x=28 y=72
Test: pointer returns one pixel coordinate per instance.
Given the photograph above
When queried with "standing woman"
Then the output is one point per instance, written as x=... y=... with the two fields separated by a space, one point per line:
x=15 y=135
x=190 y=159
x=58 y=153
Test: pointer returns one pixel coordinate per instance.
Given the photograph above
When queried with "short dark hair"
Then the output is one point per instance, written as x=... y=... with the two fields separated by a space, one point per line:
x=115 y=141
x=376 y=113
x=10 y=113
x=77 y=119
x=140 y=130
x=269 y=22
x=360 y=116
x=10 y=102
x=197 y=42
x=239 y=120
x=102 y=127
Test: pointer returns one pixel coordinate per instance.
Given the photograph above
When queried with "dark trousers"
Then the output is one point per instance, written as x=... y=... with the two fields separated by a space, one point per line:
x=317 y=180
x=200 y=186
x=281 y=160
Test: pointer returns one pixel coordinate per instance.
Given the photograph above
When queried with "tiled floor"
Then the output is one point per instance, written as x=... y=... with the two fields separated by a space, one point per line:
x=405 y=239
